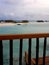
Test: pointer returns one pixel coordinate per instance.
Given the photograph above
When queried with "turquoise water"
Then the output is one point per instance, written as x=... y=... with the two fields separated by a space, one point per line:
x=23 y=29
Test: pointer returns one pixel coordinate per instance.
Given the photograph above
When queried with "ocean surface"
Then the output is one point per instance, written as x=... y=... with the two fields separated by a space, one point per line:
x=23 y=29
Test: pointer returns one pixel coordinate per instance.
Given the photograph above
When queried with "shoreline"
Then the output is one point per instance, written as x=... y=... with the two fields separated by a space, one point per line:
x=10 y=24
x=13 y=24
x=7 y=24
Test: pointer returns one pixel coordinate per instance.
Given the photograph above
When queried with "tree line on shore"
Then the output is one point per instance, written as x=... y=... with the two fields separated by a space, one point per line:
x=22 y=21
x=13 y=21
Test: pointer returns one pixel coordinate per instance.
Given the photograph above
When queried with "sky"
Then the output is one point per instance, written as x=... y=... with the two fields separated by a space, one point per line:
x=24 y=9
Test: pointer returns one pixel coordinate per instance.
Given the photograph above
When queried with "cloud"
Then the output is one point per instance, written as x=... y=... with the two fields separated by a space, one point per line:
x=8 y=1
x=24 y=8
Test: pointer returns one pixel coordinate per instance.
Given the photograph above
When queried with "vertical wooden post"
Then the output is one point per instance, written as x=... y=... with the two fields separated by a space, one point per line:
x=37 y=50
x=20 y=52
x=11 y=52
x=29 y=53
x=44 y=51
x=1 y=53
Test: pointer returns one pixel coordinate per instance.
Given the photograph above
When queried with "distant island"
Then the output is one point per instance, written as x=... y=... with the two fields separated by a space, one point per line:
x=7 y=21
x=40 y=21
x=20 y=21
x=24 y=21
x=13 y=21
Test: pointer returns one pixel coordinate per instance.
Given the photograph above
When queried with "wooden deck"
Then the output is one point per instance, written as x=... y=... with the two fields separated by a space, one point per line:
x=40 y=60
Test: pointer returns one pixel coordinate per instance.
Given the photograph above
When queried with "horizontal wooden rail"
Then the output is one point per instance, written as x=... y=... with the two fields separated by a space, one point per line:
x=21 y=36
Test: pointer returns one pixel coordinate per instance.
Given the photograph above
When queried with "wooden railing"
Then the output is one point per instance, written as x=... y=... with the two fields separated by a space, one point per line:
x=11 y=37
